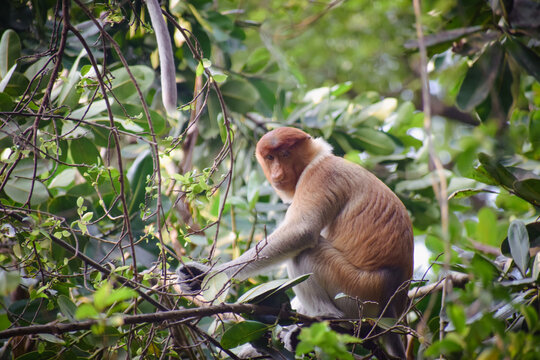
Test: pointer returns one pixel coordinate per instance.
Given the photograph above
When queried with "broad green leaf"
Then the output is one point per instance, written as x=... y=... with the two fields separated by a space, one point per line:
x=83 y=151
x=51 y=338
x=25 y=168
x=17 y=84
x=19 y=189
x=138 y=117
x=373 y=141
x=528 y=189
x=64 y=178
x=496 y=171
x=10 y=51
x=239 y=95
x=518 y=239
x=123 y=87
x=69 y=95
x=533 y=231
x=6 y=104
x=142 y=167
x=479 y=78
x=67 y=307
x=524 y=56
x=242 y=333
x=89 y=112
x=257 y=60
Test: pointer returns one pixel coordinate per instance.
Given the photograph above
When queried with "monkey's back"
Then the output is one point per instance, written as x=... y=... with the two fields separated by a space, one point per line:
x=372 y=228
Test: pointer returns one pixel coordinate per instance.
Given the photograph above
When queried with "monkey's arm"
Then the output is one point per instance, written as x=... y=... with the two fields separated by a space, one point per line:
x=308 y=214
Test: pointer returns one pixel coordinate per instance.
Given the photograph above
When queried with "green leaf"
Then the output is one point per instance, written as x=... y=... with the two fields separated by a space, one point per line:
x=219 y=78
x=64 y=178
x=445 y=346
x=51 y=338
x=518 y=239
x=496 y=171
x=239 y=95
x=456 y=313
x=17 y=84
x=531 y=317
x=340 y=89
x=459 y=194
x=528 y=189
x=69 y=95
x=86 y=311
x=83 y=151
x=257 y=60
x=479 y=78
x=222 y=129
x=123 y=87
x=10 y=51
x=200 y=69
x=142 y=167
x=242 y=333
x=373 y=141
x=67 y=307
x=87 y=216
x=19 y=189
x=25 y=168
x=524 y=56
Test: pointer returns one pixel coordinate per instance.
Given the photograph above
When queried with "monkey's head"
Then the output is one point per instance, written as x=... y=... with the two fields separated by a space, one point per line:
x=283 y=154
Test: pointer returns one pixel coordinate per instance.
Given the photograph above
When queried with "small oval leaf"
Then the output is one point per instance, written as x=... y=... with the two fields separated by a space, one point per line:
x=518 y=239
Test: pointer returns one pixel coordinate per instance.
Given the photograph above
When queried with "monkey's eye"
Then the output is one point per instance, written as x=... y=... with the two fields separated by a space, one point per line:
x=270 y=157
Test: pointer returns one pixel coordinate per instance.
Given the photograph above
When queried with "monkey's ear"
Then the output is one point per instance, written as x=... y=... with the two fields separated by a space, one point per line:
x=191 y=276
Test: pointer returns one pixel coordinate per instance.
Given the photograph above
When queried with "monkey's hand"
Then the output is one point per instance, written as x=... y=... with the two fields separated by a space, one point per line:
x=191 y=276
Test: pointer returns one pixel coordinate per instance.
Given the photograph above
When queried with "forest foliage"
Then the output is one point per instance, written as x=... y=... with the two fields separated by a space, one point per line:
x=103 y=193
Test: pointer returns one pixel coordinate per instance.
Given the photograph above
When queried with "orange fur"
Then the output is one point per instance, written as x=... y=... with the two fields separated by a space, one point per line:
x=366 y=248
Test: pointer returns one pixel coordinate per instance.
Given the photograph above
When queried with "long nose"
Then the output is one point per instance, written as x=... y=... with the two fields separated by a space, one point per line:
x=277 y=173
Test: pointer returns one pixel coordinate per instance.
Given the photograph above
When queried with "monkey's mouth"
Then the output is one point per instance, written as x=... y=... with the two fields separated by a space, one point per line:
x=281 y=184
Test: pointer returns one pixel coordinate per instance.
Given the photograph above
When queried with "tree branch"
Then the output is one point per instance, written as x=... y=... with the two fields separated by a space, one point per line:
x=174 y=315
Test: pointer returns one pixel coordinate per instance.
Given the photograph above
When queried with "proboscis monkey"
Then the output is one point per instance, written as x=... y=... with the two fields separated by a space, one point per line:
x=343 y=225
